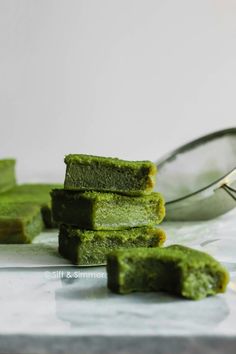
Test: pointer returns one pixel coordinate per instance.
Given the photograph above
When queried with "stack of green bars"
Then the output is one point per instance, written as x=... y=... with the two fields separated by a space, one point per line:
x=106 y=204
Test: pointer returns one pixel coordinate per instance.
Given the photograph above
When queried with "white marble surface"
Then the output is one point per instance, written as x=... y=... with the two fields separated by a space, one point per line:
x=64 y=309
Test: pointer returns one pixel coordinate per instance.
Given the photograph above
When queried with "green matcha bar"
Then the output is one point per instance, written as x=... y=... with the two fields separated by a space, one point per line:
x=19 y=223
x=7 y=174
x=176 y=269
x=38 y=194
x=87 y=247
x=106 y=174
x=106 y=211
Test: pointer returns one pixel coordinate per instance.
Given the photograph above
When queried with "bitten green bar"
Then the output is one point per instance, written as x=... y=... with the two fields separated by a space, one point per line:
x=19 y=223
x=106 y=211
x=38 y=194
x=7 y=174
x=106 y=174
x=87 y=247
x=176 y=269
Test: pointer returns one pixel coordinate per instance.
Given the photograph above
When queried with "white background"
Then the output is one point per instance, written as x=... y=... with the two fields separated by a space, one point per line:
x=126 y=78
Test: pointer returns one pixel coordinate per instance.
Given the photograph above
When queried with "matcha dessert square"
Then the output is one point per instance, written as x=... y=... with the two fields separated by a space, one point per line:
x=19 y=223
x=106 y=174
x=175 y=269
x=106 y=211
x=32 y=193
x=7 y=174
x=88 y=247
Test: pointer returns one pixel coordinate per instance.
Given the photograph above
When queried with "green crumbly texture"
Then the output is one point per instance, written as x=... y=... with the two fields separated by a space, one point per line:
x=106 y=211
x=7 y=174
x=19 y=223
x=176 y=269
x=38 y=194
x=107 y=174
x=87 y=247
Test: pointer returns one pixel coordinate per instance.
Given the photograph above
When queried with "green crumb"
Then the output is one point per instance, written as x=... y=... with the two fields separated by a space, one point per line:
x=19 y=223
x=38 y=194
x=106 y=211
x=87 y=247
x=7 y=174
x=106 y=174
x=175 y=269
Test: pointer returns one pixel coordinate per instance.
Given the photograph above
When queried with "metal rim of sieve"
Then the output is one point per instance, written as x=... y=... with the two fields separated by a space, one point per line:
x=220 y=182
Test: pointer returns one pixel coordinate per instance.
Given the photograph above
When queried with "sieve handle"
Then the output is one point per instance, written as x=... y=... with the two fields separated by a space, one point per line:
x=231 y=191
